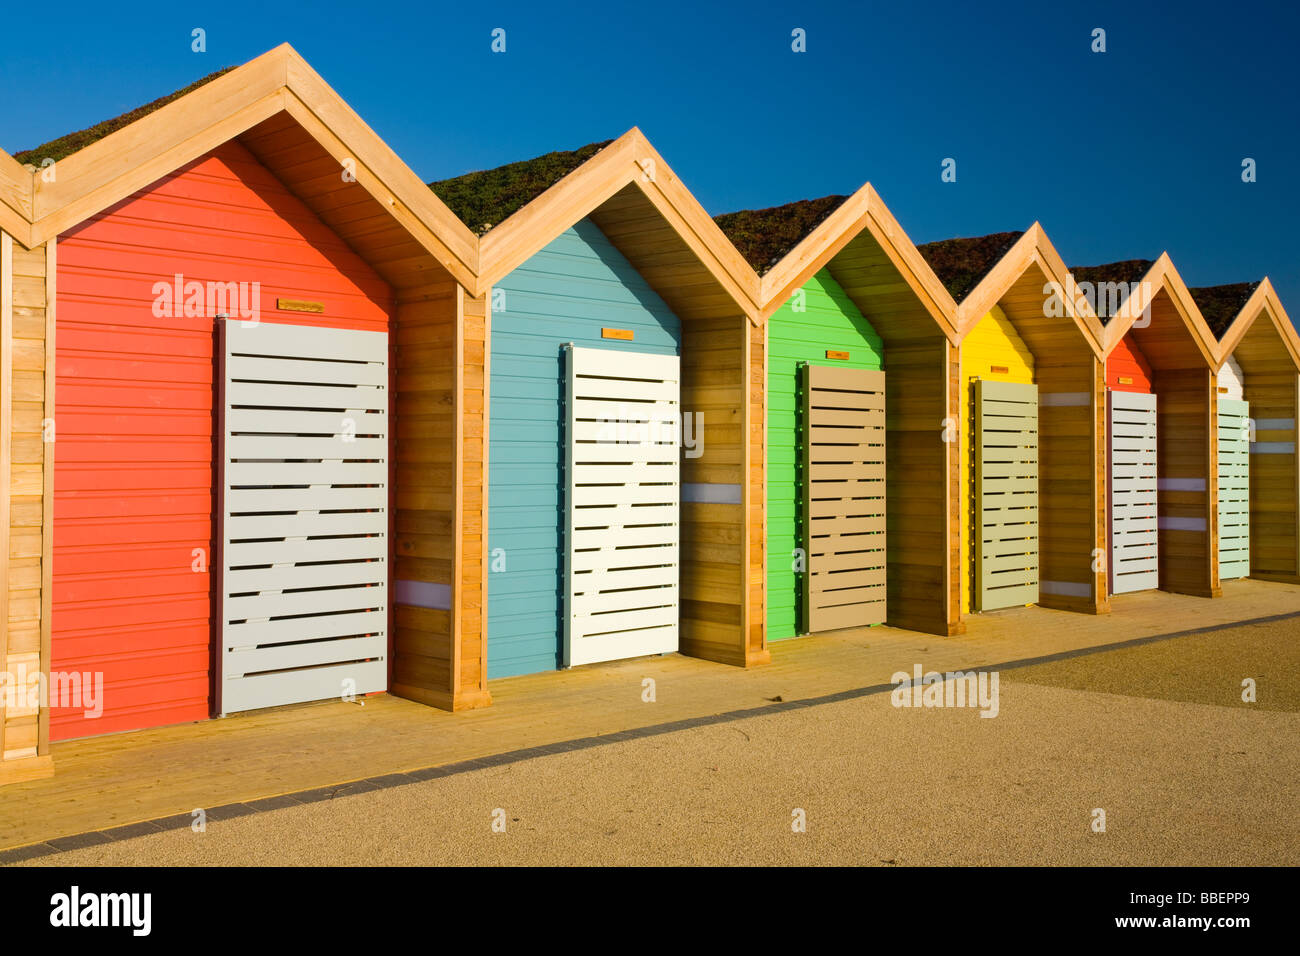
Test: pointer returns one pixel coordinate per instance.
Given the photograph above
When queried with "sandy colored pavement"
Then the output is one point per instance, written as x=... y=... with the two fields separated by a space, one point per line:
x=1203 y=668
x=1155 y=735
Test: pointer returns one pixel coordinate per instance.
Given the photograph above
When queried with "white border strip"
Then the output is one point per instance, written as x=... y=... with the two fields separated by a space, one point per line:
x=713 y=494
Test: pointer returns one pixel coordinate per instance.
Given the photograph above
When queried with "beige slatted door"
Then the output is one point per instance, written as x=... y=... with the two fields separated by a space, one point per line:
x=1006 y=495
x=304 y=532
x=842 y=429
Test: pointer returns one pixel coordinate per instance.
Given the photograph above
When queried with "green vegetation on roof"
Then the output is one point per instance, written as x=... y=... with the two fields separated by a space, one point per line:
x=65 y=146
x=960 y=264
x=489 y=197
x=1128 y=272
x=1221 y=304
x=765 y=236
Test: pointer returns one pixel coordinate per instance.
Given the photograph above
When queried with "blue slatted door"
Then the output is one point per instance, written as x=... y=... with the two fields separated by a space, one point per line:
x=304 y=485
x=1134 y=524
x=1005 y=541
x=1234 y=488
x=622 y=504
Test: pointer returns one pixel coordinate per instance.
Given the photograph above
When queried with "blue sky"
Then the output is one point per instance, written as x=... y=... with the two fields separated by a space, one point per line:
x=1121 y=154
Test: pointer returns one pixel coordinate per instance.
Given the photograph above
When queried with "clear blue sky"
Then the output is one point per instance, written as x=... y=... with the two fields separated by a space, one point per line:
x=1120 y=155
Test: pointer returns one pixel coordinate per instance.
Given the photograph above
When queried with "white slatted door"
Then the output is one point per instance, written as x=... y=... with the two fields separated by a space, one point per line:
x=304 y=534
x=623 y=438
x=1234 y=488
x=1134 y=527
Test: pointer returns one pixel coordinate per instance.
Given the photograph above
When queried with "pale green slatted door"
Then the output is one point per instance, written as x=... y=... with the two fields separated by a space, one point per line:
x=1234 y=488
x=1005 y=534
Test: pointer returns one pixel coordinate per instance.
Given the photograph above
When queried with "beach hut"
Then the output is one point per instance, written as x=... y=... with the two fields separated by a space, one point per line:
x=1159 y=326
x=1032 y=433
x=1159 y=378
x=1258 y=388
x=1132 y=525
x=623 y=420
x=216 y=277
x=862 y=487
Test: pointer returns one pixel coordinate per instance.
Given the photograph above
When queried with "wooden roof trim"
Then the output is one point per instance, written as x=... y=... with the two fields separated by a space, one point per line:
x=1163 y=275
x=1263 y=301
x=516 y=239
x=1033 y=249
x=82 y=191
x=701 y=224
x=15 y=199
x=623 y=162
x=981 y=299
x=112 y=168
x=395 y=182
x=862 y=210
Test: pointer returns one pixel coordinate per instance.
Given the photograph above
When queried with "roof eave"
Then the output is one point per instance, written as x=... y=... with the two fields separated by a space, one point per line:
x=129 y=159
x=1163 y=275
x=1263 y=301
x=864 y=210
x=1033 y=249
x=16 y=186
x=628 y=160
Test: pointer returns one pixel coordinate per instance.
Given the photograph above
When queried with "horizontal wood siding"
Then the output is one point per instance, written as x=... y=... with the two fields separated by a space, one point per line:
x=133 y=485
x=1272 y=387
x=819 y=318
x=1274 y=398
x=1072 y=482
x=27 y=389
x=1127 y=369
x=567 y=292
x=440 y=360
x=1232 y=380
x=716 y=573
x=1187 y=497
x=921 y=460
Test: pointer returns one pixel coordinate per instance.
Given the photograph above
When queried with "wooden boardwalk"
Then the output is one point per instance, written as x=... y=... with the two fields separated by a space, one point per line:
x=118 y=779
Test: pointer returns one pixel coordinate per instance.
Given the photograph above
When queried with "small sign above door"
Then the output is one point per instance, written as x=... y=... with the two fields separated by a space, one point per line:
x=299 y=305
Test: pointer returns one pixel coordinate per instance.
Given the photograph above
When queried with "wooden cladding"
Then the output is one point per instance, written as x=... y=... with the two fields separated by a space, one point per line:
x=842 y=439
x=27 y=503
x=1006 y=494
x=440 y=417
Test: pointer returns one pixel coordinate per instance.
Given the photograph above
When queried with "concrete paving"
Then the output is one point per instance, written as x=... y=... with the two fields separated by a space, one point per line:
x=1156 y=736
x=126 y=780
